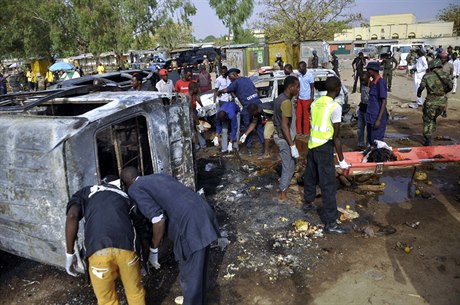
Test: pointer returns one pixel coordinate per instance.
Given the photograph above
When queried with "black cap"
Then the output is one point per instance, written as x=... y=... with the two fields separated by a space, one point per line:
x=237 y=71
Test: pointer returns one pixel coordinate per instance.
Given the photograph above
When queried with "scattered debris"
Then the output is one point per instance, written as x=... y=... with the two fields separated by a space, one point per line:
x=209 y=167
x=347 y=214
x=443 y=138
x=405 y=247
x=344 y=181
x=367 y=230
x=301 y=225
x=413 y=225
x=179 y=300
x=420 y=176
x=283 y=219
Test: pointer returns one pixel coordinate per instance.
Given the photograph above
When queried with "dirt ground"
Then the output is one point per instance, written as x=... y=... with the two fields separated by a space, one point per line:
x=269 y=263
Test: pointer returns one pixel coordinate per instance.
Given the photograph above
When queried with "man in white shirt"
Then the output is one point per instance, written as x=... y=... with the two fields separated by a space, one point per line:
x=306 y=96
x=222 y=82
x=420 y=69
x=456 y=63
x=165 y=85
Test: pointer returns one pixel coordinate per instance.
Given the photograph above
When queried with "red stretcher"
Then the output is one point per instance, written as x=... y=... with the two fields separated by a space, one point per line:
x=406 y=157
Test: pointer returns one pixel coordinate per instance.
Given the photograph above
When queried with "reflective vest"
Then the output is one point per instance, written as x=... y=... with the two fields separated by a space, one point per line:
x=321 y=128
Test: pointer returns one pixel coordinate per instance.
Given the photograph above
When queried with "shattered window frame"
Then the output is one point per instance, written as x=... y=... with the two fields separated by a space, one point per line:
x=119 y=150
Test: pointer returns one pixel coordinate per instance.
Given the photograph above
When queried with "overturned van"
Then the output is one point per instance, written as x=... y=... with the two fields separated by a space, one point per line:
x=53 y=143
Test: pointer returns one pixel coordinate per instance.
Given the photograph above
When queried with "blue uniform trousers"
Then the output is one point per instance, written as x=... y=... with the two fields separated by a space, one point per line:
x=376 y=134
x=247 y=119
x=194 y=277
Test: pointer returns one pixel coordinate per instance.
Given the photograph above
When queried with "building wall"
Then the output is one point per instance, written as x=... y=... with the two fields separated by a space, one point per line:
x=392 y=19
x=289 y=53
x=398 y=31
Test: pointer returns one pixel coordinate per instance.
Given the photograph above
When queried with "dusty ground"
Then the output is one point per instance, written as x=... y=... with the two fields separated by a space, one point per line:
x=267 y=263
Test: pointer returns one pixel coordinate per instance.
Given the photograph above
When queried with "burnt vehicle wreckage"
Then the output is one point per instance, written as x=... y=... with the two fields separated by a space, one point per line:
x=55 y=142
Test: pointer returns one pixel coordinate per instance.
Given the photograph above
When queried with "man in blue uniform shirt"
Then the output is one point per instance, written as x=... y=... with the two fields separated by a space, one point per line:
x=228 y=115
x=376 y=114
x=191 y=225
x=246 y=92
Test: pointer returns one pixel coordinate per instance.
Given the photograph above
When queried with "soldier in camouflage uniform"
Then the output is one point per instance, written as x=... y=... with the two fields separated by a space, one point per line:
x=388 y=69
x=435 y=82
x=411 y=59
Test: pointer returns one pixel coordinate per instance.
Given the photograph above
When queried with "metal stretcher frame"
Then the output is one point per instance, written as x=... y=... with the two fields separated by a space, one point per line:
x=406 y=157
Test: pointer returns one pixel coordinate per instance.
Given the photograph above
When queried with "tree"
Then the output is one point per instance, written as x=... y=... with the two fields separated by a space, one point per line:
x=171 y=34
x=298 y=20
x=68 y=27
x=246 y=36
x=209 y=38
x=451 y=14
x=233 y=14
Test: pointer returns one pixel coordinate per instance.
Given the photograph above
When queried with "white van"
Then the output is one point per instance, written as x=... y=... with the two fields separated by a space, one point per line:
x=404 y=49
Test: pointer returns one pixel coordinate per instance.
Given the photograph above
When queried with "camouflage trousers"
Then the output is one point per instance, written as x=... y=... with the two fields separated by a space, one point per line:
x=431 y=110
x=388 y=76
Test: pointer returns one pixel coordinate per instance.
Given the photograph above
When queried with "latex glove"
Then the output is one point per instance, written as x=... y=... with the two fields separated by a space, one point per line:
x=294 y=152
x=230 y=147
x=343 y=164
x=222 y=243
x=153 y=258
x=70 y=264
x=200 y=128
x=216 y=141
x=243 y=138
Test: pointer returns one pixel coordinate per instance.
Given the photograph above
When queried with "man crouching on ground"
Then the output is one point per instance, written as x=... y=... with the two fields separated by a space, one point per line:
x=111 y=242
x=282 y=118
x=326 y=115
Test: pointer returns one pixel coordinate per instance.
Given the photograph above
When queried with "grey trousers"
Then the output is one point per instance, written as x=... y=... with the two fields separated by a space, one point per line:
x=287 y=162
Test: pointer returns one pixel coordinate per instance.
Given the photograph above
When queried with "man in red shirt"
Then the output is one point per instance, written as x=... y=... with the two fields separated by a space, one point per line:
x=183 y=84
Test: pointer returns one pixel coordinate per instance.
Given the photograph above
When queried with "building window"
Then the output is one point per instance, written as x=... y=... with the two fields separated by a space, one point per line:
x=359 y=37
x=411 y=35
x=395 y=36
x=374 y=37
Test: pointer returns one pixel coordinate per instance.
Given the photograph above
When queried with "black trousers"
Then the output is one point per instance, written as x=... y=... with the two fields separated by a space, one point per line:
x=357 y=78
x=194 y=277
x=321 y=170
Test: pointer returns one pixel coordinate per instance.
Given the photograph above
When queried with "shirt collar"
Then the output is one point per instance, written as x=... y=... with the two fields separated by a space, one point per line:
x=377 y=79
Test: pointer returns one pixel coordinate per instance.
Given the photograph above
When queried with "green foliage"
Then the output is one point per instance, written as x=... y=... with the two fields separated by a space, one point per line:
x=451 y=14
x=233 y=14
x=299 y=20
x=68 y=27
x=209 y=38
x=246 y=36
x=171 y=34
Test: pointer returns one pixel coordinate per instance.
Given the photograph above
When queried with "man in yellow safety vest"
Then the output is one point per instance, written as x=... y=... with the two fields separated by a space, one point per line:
x=326 y=115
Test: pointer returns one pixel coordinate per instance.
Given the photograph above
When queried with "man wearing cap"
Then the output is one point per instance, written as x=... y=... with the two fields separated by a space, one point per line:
x=376 y=113
x=246 y=94
x=420 y=69
x=437 y=83
x=111 y=241
x=165 y=85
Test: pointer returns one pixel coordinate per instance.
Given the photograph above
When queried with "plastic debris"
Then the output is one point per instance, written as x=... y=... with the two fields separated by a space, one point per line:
x=283 y=219
x=347 y=214
x=179 y=300
x=413 y=225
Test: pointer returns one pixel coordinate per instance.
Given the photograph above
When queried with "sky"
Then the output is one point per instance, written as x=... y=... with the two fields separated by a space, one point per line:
x=205 y=22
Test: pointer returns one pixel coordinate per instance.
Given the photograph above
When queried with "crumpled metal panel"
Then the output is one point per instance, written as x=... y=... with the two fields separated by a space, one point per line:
x=34 y=188
x=180 y=141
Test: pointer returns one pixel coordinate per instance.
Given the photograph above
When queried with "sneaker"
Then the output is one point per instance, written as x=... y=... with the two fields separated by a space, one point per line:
x=334 y=228
x=413 y=105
